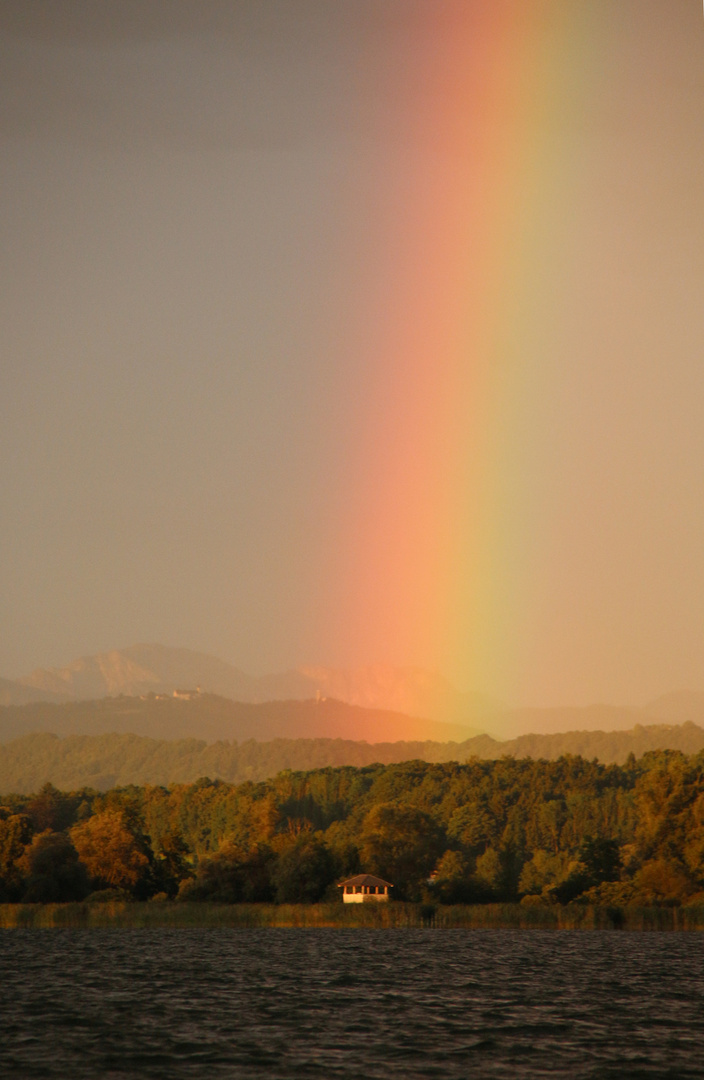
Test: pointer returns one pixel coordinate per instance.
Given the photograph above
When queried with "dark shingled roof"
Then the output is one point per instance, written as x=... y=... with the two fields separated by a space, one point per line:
x=365 y=879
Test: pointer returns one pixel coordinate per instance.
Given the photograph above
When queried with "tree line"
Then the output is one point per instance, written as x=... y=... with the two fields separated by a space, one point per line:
x=114 y=759
x=538 y=832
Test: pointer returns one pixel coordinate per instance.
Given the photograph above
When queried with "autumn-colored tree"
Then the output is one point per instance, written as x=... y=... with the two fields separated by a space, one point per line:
x=663 y=795
x=555 y=831
x=15 y=834
x=541 y=871
x=110 y=852
x=663 y=881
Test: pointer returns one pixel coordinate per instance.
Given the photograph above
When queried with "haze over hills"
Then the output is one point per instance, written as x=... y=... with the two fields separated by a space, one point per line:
x=109 y=760
x=14 y=693
x=141 y=669
x=206 y=716
x=138 y=731
x=678 y=707
x=409 y=692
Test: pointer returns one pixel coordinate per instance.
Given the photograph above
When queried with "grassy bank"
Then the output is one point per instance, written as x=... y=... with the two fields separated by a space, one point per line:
x=382 y=916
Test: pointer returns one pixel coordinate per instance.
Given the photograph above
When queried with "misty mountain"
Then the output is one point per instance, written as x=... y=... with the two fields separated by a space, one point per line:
x=158 y=669
x=13 y=693
x=678 y=707
x=141 y=669
x=209 y=717
x=111 y=760
x=675 y=708
x=514 y=723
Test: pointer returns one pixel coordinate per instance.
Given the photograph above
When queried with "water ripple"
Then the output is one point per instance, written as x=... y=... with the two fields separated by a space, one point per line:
x=412 y=1003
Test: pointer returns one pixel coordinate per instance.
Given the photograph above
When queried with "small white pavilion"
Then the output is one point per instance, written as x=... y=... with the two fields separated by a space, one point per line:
x=363 y=887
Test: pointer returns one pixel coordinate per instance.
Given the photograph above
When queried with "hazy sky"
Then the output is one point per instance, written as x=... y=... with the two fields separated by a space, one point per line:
x=196 y=248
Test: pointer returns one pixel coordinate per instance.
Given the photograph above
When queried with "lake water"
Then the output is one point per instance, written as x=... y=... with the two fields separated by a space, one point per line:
x=350 y=1003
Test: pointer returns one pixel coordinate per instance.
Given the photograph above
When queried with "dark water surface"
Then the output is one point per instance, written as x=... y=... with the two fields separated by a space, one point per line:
x=350 y=1003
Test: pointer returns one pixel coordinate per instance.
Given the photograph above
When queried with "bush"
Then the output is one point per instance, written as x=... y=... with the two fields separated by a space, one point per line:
x=109 y=896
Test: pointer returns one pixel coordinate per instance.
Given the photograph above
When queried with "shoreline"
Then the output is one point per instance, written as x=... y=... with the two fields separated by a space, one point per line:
x=394 y=916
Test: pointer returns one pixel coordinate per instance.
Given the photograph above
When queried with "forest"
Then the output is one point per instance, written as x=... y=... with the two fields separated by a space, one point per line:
x=114 y=759
x=530 y=831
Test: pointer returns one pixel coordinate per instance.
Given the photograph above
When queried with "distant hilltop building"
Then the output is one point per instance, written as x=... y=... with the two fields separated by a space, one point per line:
x=362 y=887
x=187 y=695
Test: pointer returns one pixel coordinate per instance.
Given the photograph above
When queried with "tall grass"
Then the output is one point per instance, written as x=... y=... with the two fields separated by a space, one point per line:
x=116 y=914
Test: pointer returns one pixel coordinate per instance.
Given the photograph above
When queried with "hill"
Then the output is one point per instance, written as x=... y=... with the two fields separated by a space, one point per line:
x=114 y=760
x=678 y=707
x=143 y=669
x=13 y=693
x=209 y=717
x=514 y=723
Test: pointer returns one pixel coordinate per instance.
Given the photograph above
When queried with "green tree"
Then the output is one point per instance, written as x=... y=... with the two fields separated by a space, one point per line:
x=472 y=827
x=231 y=876
x=490 y=871
x=598 y=862
x=52 y=871
x=451 y=880
x=550 y=817
x=51 y=809
x=401 y=844
x=601 y=858
x=170 y=866
x=302 y=872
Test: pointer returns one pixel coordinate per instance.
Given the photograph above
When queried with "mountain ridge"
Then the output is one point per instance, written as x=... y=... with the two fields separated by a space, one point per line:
x=143 y=668
x=118 y=759
x=152 y=668
x=215 y=718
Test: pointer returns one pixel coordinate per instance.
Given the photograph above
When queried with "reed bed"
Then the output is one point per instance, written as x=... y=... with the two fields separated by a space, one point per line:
x=119 y=915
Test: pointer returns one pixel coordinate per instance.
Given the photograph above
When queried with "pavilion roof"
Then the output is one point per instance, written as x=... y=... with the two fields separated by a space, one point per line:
x=365 y=879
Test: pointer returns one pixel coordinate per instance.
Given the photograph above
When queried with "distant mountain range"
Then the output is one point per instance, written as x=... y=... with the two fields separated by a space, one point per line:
x=206 y=716
x=143 y=669
x=419 y=698
x=150 y=714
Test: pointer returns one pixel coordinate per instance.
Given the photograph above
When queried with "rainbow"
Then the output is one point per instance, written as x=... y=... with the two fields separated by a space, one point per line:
x=446 y=533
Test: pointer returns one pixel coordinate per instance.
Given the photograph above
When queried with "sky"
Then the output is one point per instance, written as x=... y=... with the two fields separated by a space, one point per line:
x=354 y=331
